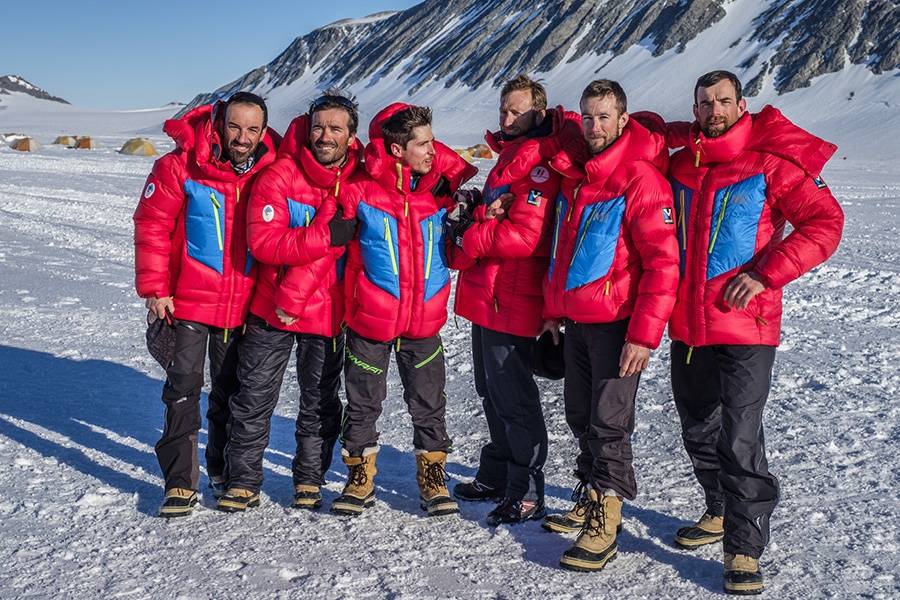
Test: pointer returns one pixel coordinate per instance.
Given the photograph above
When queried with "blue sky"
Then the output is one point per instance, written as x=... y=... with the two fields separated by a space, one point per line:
x=144 y=54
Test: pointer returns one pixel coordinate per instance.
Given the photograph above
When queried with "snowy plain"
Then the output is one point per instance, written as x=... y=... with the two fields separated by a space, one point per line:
x=80 y=413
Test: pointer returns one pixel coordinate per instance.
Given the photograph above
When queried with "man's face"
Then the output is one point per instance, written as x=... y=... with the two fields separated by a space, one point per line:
x=419 y=151
x=330 y=137
x=517 y=114
x=601 y=123
x=242 y=130
x=717 y=108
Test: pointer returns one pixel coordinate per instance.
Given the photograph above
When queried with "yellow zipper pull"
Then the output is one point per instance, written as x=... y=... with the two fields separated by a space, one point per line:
x=337 y=184
x=398 y=344
x=225 y=337
x=606 y=293
x=690 y=351
x=238 y=188
x=496 y=305
x=697 y=160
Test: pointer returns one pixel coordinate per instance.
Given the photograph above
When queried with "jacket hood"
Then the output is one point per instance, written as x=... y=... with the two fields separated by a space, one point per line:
x=384 y=168
x=296 y=147
x=195 y=131
x=767 y=131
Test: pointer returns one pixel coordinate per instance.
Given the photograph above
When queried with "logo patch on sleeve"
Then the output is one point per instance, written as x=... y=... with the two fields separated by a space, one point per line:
x=149 y=190
x=268 y=213
x=667 y=216
x=534 y=197
x=540 y=174
x=820 y=183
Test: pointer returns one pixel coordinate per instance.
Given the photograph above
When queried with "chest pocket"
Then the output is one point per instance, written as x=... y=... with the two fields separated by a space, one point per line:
x=595 y=247
x=683 y=197
x=735 y=223
x=204 y=224
x=437 y=274
x=379 y=248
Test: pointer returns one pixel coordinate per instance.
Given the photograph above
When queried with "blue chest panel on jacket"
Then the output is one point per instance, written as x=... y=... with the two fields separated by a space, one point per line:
x=379 y=248
x=301 y=214
x=204 y=224
x=595 y=248
x=491 y=194
x=562 y=206
x=437 y=272
x=683 y=197
x=735 y=222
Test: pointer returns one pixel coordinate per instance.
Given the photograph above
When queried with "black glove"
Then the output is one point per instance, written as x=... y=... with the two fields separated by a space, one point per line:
x=342 y=230
x=457 y=226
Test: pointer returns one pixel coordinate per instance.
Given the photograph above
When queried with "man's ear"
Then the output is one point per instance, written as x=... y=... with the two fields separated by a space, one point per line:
x=742 y=106
x=696 y=113
x=396 y=151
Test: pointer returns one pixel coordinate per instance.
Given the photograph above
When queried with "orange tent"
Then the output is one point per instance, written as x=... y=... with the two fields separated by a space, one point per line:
x=26 y=144
x=87 y=142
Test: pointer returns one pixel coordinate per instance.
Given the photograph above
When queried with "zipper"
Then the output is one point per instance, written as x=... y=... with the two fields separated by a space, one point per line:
x=606 y=291
x=556 y=233
x=430 y=249
x=697 y=158
x=683 y=222
x=390 y=243
x=584 y=233
x=719 y=221
x=216 y=207
x=690 y=351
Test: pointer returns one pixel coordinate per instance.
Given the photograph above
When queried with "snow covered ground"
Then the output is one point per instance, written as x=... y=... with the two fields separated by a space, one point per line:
x=80 y=413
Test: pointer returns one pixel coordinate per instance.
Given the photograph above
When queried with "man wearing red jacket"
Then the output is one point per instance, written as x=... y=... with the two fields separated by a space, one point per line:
x=191 y=263
x=296 y=232
x=499 y=290
x=737 y=180
x=612 y=277
x=397 y=286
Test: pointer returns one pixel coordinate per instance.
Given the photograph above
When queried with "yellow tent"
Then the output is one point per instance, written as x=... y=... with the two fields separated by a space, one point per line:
x=466 y=154
x=139 y=147
x=66 y=140
x=87 y=142
x=26 y=144
x=481 y=151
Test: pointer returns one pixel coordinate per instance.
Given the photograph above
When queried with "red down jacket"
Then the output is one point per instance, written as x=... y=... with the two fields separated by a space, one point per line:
x=190 y=228
x=499 y=286
x=397 y=279
x=614 y=252
x=733 y=195
x=287 y=227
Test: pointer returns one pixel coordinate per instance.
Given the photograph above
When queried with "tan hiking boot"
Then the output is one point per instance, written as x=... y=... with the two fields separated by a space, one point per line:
x=432 y=479
x=707 y=530
x=307 y=497
x=574 y=519
x=742 y=575
x=238 y=500
x=359 y=493
x=178 y=502
x=596 y=544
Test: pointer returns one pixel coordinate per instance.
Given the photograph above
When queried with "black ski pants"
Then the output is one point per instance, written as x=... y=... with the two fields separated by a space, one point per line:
x=176 y=450
x=514 y=458
x=720 y=396
x=264 y=356
x=420 y=363
x=600 y=404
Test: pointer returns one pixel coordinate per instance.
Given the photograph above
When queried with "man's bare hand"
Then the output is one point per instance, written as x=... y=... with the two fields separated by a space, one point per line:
x=553 y=328
x=741 y=290
x=158 y=306
x=285 y=318
x=497 y=209
x=633 y=359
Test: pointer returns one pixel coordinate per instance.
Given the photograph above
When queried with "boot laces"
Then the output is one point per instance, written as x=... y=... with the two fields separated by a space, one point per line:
x=358 y=476
x=595 y=517
x=580 y=497
x=434 y=476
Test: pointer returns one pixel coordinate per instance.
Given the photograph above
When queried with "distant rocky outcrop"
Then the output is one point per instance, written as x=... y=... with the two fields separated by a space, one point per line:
x=483 y=42
x=14 y=83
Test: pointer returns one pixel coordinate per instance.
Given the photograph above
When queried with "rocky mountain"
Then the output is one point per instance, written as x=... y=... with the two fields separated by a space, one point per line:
x=476 y=43
x=14 y=83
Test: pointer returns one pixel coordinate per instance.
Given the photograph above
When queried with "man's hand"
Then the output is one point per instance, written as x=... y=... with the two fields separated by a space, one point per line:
x=340 y=229
x=741 y=290
x=158 y=306
x=633 y=359
x=497 y=209
x=553 y=328
x=285 y=318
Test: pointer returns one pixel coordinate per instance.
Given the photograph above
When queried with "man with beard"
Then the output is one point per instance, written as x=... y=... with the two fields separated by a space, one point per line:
x=612 y=278
x=297 y=232
x=192 y=266
x=499 y=290
x=737 y=180
x=397 y=289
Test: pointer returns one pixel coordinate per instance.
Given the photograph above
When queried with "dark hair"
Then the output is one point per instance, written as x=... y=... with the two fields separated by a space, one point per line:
x=601 y=88
x=524 y=82
x=714 y=77
x=249 y=99
x=399 y=127
x=334 y=98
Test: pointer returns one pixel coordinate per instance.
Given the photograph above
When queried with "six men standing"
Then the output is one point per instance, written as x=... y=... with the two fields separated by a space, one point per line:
x=574 y=229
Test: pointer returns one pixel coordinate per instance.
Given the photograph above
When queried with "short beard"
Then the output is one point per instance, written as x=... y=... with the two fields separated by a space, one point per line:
x=339 y=159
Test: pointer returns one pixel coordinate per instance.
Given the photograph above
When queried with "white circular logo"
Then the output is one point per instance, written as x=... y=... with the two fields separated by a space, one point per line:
x=268 y=213
x=540 y=174
x=149 y=191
